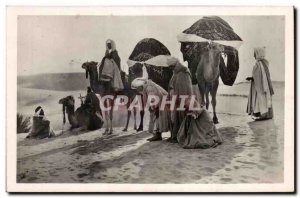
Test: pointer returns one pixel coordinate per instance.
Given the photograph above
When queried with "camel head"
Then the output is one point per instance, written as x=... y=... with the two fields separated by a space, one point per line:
x=67 y=101
x=136 y=71
x=87 y=65
x=202 y=55
x=187 y=49
x=68 y=104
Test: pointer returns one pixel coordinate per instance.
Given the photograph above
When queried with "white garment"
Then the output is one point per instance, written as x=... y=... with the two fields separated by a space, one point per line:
x=262 y=100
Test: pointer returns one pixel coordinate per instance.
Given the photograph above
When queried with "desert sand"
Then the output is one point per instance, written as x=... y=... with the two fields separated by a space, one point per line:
x=252 y=152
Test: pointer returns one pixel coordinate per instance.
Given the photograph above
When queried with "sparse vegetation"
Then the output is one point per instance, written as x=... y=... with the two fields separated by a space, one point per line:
x=23 y=123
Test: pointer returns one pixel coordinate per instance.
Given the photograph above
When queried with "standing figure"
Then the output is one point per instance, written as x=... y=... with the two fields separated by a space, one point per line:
x=111 y=53
x=180 y=85
x=261 y=90
x=158 y=117
x=110 y=81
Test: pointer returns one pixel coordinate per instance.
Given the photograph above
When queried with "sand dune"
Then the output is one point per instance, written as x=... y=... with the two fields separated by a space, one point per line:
x=55 y=81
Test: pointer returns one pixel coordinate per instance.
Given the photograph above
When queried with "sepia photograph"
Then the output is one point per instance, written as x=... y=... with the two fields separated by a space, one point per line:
x=150 y=99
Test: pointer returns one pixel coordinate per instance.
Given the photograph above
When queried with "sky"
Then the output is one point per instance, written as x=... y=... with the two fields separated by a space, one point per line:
x=60 y=44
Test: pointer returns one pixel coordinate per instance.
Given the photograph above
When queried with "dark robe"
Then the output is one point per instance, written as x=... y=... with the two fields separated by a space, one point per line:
x=180 y=84
x=92 y=101
x=198 y=129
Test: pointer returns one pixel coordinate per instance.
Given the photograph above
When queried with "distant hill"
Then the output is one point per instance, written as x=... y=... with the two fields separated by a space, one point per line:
x=55 y=81
x=242 y=89
x=275 y=83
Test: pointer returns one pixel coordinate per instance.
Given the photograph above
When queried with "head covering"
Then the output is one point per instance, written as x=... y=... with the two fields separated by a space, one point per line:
x=113 y=44
x=138 y=82
x=89 y=90
x=39 y=112
x=260 y=53
x=172 y=61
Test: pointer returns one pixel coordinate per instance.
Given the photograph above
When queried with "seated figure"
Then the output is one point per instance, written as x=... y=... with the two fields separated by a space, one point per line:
x=41 y=125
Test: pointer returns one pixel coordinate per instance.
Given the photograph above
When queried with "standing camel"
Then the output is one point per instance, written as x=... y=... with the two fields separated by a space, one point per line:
x=92 y=73
x=104 y=88
x=209 y=47
x=206 y=64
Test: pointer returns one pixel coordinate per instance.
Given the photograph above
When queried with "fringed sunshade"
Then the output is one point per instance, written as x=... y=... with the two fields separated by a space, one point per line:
x=149 y=51
x=211 y=28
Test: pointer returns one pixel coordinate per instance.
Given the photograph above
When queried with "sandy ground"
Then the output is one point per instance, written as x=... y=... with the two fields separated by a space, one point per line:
x=252 y=152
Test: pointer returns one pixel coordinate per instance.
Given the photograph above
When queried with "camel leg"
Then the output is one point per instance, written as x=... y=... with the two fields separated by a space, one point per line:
x=110 y=127
x=142 y=113
x=106 y=114
x=106 y=120
x=207 y=97
x=134 y=115
x=128 y=118
x=111 y=118
x=214 y=100
x=201 y=86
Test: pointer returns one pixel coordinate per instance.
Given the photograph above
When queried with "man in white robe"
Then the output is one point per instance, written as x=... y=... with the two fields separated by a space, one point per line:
x=261 y=90
x=159 y=118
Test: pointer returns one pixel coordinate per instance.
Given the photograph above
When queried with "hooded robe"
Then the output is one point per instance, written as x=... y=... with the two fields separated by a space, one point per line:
x=109 y=70
x=198 y=129
x=261 y=89
x=180 y=84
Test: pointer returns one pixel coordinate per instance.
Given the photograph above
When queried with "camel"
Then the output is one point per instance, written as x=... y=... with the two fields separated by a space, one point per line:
x=97 y=87
x=84 y=117
x=159 y=75
x=206 y=64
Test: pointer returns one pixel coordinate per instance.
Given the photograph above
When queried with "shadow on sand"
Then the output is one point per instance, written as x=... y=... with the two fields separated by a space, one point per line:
x=158 y=162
